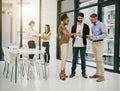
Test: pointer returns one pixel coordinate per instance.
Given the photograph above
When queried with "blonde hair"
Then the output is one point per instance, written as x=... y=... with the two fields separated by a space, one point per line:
x=31 y=22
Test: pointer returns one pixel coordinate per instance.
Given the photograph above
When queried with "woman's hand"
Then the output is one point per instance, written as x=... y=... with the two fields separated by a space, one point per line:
x=72 y=34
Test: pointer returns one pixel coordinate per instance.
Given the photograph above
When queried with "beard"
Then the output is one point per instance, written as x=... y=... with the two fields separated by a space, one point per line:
x=80 y=21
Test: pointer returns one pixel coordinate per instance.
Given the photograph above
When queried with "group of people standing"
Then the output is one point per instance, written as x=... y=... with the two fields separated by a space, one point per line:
x=33 y=37
x=80 y=32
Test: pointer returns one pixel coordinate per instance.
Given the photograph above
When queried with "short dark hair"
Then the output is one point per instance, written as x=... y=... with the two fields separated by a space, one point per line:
x=94 y=15
x=63 y=17
x=81 y=14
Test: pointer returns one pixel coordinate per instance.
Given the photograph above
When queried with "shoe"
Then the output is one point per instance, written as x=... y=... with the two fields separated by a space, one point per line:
x=100 y=79
x=84 y=76
x=71 y=75
x=94 y=76
x=62 y=75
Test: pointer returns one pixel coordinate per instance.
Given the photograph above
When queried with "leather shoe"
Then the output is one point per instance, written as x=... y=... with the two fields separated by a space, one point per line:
x=71 y=75
x=84 y=76
x=100 y=79
x=94 y=76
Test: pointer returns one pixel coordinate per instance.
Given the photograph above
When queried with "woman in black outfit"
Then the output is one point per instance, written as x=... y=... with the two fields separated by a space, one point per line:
x=46 y=38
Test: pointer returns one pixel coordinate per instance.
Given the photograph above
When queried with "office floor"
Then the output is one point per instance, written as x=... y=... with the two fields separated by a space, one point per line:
x=53 y=83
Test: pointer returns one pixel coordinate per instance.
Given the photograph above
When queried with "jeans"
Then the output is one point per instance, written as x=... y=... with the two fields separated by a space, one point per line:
x=75 y=59
x=47 y=54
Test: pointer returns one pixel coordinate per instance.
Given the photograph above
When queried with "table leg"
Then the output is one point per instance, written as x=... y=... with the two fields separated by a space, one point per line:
x=16 y=70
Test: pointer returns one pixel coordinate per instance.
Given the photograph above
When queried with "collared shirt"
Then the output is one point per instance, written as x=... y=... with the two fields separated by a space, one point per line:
x=99 y=30
x=79 y=41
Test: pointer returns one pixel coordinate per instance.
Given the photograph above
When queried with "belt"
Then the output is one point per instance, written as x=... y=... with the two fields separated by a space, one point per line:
x=98 y=40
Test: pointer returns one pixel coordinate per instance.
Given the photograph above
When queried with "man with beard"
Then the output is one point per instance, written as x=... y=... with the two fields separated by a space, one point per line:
x=79 y=44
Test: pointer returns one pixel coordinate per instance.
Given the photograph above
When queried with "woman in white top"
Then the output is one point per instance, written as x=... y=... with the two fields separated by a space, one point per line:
x=32 y=37
x=46 y=38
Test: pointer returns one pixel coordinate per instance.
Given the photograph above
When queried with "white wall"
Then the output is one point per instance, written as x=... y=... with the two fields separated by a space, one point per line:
x=5 y=26
x=49 y=16
x=6 y=30
x=31 y=12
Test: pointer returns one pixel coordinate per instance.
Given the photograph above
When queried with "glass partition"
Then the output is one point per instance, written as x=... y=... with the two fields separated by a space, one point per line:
x=67 y=5
x=109 y=21
x=87 y=2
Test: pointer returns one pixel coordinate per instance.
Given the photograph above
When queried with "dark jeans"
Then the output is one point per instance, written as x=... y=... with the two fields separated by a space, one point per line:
x=31 y=44
x=75 y=59
x=47 y=54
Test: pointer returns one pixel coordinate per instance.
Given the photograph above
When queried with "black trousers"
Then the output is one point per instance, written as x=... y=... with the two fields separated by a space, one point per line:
x=31 y=44
x=47 y=54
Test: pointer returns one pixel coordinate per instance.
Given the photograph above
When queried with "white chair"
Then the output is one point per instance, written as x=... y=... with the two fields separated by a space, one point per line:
x=9 y=61
x=10 y=58
x=5 y=59
x=38 y=61
x=41 y=62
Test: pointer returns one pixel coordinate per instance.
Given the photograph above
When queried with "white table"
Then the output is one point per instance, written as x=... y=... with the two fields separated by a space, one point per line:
x=22 y=52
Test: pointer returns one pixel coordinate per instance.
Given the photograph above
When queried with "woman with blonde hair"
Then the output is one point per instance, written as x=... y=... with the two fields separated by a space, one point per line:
x=32 y=37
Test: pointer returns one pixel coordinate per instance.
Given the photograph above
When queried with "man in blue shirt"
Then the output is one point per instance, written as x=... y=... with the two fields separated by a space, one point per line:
x=98 y=35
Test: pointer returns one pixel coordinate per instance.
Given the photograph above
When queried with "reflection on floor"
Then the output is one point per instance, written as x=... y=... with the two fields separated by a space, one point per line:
x=53 y=83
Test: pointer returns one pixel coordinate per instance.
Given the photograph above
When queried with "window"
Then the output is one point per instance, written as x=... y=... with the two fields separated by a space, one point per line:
x=67 y=5
x=89 y=55
x=87 y=12
x=109 y=21
x=87 y=2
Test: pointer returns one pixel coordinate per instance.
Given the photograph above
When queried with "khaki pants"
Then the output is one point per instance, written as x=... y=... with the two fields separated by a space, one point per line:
x=64 y=54
x=98 y=52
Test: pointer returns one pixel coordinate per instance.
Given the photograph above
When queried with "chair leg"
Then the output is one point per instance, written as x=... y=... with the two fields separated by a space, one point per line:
x=19 y=70
x=7 y=71
x=37 y=69
x=12 y=73
x=16 y=70
x=23 y=70
x=28 y=72
x=4 y=68
x=45 y=72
